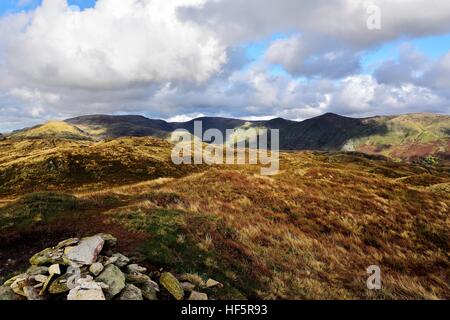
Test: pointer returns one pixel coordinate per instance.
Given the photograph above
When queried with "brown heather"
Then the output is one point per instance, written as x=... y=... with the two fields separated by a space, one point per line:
x=309 y=232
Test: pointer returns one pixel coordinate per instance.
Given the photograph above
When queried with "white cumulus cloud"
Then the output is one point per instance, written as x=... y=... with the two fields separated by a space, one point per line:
x=116 y=44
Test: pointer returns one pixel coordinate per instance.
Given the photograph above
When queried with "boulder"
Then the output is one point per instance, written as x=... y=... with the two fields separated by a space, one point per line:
x=54 y=269
x=110 y=260
x=9 y=282
x=68 y=270
x=48 y=256
x=134 y=268
x=60 y=284
x=36 y=270
x=121 y=261
x=67 y=243
x=211 y=283
x=193 y=278
x=92 y=294
x=40 y=278
x=96 y=268
x=18 y=285
x=131 y=292
x=114 y=278
x=87 y=289
x=32 y=293
x=168 y=281
x=7 y=294
x=149 y=290
x=46 y=284
x=86 y=252
x=110 y=240
x=198 y=296
x=187 y=286
x=137 y=278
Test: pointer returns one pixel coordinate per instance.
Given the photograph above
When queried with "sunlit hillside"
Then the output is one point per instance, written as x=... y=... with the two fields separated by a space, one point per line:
x=309 y=232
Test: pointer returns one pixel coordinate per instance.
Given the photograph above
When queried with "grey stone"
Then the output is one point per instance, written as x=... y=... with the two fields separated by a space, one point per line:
x=54 y=269
x=87 y=289
x=32 y=293
x=18 y=285
x=96 y=268
x=86 y=252
x=7 y=294
x=40 y=278
x=149 y=290
x=131 y=292
x=35 y=270
x=187 y=286
x=121 y=261
x=110 y=260
x=198 y=296
x=67 y=243
x=134 y=268
x=114 y=278
x=9 y=282
x=49 y=256
x=137 y=278
x=110 y=240
x=211 y=283
x=60 y=284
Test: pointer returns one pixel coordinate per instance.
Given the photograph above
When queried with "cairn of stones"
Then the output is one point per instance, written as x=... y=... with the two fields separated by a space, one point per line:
x=88 y=269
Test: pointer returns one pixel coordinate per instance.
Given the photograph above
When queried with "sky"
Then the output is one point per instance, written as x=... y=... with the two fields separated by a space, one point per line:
x=253 y=59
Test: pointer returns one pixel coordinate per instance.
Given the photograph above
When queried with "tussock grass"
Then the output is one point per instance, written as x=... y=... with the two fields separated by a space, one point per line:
x=309 y=232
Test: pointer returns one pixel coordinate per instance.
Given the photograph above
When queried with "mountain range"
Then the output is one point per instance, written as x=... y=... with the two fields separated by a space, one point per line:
x=402 y=137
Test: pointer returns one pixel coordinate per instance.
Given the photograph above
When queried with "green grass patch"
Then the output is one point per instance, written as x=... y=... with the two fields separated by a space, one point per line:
x=192 y=243
x=36 y=207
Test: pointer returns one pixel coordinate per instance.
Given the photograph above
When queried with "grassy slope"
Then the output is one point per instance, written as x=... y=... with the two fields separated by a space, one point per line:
x=407 y=137
x=410 y=137
x=309 y=232
x=53 y=129
x=36 y=165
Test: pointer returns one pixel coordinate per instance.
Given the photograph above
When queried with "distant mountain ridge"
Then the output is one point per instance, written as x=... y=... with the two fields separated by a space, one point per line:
x=405 y=137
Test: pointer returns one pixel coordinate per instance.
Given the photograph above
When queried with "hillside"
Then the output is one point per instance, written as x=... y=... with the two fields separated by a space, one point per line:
x=309 y=232
x=52 y=164
x=412 y=137
x=52 y=129
x=405 y=137
x=103 y=126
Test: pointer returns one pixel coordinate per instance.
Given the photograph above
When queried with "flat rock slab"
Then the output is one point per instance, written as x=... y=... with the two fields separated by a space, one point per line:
x=87 y=251
x=48 y=256
x=87 y=289
x=90 y=294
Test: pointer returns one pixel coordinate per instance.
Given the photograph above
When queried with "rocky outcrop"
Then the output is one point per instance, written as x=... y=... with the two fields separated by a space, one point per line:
x=88 y=269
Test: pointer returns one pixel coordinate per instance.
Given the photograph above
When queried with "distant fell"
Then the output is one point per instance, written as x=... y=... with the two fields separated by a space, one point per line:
x=407 y=137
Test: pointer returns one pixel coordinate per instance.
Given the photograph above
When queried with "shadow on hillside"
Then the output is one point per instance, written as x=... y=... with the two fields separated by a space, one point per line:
x=328 y=133
x=447 y=132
